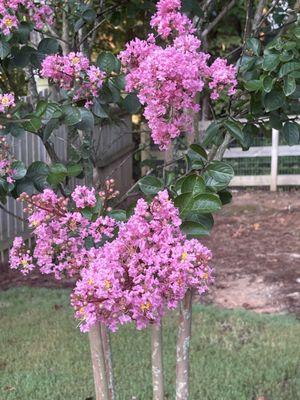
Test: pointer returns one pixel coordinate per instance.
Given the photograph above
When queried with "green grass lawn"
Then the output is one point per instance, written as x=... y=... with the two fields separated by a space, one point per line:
x=235 y=355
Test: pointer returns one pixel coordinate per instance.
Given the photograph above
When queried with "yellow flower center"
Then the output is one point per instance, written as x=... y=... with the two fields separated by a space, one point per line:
x=146 y=306
x=5 y=100
x=24 y=263
x=184 y=256
x=107 y=284
x=90 y=281
x=75 y=60
x=8 y=22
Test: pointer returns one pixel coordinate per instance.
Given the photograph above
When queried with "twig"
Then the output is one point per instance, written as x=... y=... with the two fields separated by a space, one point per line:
x=221 y=14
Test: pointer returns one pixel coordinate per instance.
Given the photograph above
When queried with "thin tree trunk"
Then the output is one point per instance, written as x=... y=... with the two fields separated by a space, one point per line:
x=156 y=331
x=183 y=346
x=157 y=362
x=108 y=362
x=98 y=362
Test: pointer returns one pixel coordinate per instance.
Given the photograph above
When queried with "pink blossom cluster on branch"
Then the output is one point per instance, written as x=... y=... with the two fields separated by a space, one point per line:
x=12 y=12
x=74 y=73
x=7 y=100
x=149 y=267
x=168 y=77
x=6 y=160
x=135 y=276
x=61 y=232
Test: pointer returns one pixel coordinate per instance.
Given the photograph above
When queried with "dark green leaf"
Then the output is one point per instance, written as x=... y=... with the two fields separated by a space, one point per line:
x=4 y=49
x=41 y=108
x=211 y=132
x=52 y=124
x=193 y=184
x=268 y=83
x=150 y=185
x=74 y=169
x=108 y=62
x=225 y=196
x=290 y=133
x=235 y=129
x=270 y=62
x=253 y=86
x=274 y=100
x=87 y=120
x=89 y=15
x=254 y=45
x=184 y=203
x=132 y=104
x=72 y=115
x=288 y=67
x=48 y=46
x=289 y=85
x=33 y=124
x=19 y=170
x=218 y=175
x=118 y=215
x=206 y=203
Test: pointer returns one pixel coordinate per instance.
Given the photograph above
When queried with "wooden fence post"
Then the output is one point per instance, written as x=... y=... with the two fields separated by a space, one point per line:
x=274 y=160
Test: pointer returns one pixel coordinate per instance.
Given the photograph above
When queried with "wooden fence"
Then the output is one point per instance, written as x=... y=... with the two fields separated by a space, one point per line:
x=112 y=145
x=273 y=179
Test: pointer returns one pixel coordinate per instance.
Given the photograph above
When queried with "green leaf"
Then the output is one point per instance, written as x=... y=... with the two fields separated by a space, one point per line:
x=132 y=104
x=235 y=129
x=4 y=49
x=270 y=62
x=290 y=133
x=16 y=130
x=253 y=86
x=268 y=83
x=87 y=120
x=194 y=229
x=197 y=156
x=289 y=85
x=218 y=175
x=288 y=67
x=51 y=125
x=41 y=108
x=275 y=121
x=118 y=215
x=74 y=169
x=150 y=185
x=225 y=197
x=48 y=46
x=184 y=203
x=72 y=115
x=274 y=100
x=58 y=173
x=254 y=45
x=89 y=15
x=19 y=170
x=79 y=24
x=99 y=110
x=33 y=125
x=38 y=172
x=108 y=62
x=206 y=203
x=193 y=184
x=211 y=132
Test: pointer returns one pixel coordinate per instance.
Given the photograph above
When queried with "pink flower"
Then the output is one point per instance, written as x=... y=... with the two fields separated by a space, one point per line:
x=167 y=77
x=7 y=100
x=74 y=73
x=145 y=270
x=84 y=197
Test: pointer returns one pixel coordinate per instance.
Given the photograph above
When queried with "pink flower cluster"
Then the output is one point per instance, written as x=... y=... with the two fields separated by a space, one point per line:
x=167 y=78
x=74 y=73
x=7 y=100
x=148 y=267
x=61 y=234
x=6 y=160
x=13 y=11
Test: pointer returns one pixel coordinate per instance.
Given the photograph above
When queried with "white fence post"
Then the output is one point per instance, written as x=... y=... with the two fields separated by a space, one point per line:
x=274 y=160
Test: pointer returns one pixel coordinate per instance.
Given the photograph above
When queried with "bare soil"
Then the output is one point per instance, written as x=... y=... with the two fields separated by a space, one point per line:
x=256 y=248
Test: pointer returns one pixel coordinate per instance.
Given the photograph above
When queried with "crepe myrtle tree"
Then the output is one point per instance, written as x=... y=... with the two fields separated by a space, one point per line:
x=134 y=265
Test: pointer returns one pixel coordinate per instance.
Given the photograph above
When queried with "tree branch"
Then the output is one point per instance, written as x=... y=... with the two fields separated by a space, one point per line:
x=221 y=14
